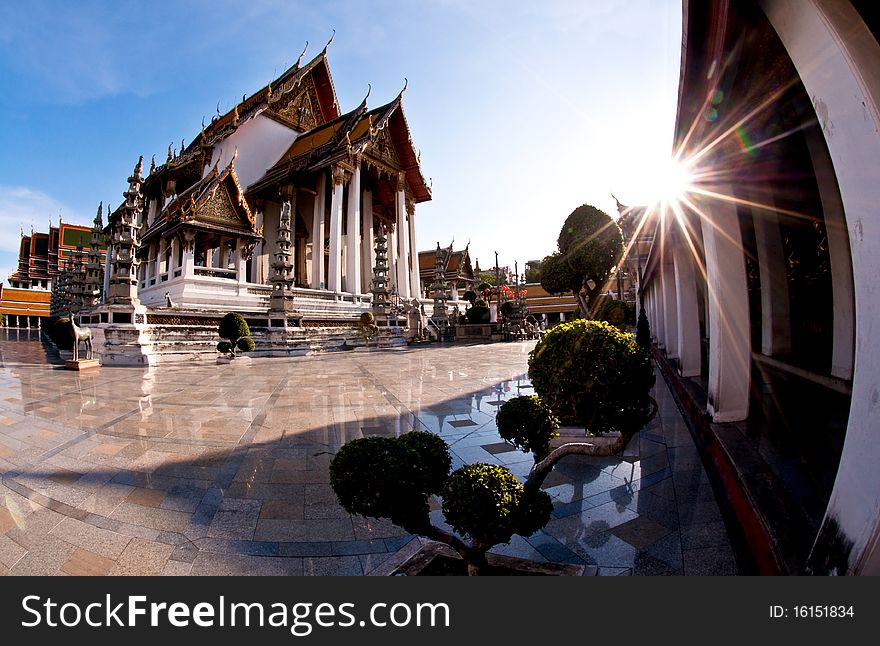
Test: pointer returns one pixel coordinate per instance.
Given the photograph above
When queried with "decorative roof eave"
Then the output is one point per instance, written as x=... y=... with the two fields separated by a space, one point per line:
x=186 y=206
x=169 y=229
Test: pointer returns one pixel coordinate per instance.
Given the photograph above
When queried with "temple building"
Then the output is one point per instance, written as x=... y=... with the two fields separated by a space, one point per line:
x=459 y=273
x=42 y=258
x=211 y=234
x=285 y=210
x=761 y=290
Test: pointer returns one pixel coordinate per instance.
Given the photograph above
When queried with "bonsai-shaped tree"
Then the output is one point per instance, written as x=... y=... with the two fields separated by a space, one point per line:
x=394 y=478
x=616 y=312
x=592 y=374
x=367 y=326
x=590 y=246
x=236 y=334
x=478 y=312
x=528 y=424
x=470 y=296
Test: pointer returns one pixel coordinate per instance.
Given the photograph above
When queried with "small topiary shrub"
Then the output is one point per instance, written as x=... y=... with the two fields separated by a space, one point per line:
x=235 y=334
x=395 y=477
x=478 y=314
x=531 y=319
x=592 y=374
x=487 y=503
x=528 y=424
x=507 y=308
x=470 y=296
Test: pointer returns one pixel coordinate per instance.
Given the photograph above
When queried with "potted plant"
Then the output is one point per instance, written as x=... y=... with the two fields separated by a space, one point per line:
x=236 y=335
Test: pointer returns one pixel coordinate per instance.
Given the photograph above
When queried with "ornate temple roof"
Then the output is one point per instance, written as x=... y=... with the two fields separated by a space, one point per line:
x=274 y=101
x=215 y=202
x=382 y=134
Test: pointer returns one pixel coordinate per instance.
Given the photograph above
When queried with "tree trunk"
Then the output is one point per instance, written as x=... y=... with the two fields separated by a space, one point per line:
x=474 y=556
x=543 y=468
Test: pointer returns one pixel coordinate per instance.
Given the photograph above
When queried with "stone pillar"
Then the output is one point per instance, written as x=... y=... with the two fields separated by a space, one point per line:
x=318 y=236
x=660 y=326
x=368 y=241
x=353 y=246
x=402 y=230
x=392 y=259
x=124 y=263
x=729 y=343
x=282 y=278
x=415 y=281
x=688 y=316
x=334 y=273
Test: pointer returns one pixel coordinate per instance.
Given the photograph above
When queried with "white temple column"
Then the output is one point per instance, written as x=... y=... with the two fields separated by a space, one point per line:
x=402 y=241
x=845 y=95
x=843 y=305
x=318 y=235
x=189 y=261
x=659 y=324
x=415 y=281
x=334 y=273
x=688 y=340
x=392 y=260
x=353 y=238
x=670 y=308
x=729 y=343
x=240 y=262
x=775 y=313
x=368 y=240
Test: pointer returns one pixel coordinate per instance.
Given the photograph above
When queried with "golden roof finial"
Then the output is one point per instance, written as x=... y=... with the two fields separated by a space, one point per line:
x=152 y=164
x=332 y=36
x=170 y=155
x=182 y=148
x=235 y=115
x=303 y=53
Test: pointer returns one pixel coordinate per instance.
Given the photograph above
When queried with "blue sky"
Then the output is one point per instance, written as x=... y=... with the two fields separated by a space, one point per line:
x=521 y=110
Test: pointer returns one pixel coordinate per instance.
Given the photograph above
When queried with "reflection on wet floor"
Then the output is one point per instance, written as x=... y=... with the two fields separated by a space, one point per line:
x=221 y=469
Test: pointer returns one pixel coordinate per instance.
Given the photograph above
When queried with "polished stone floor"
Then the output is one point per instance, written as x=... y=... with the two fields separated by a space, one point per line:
x=223 y=469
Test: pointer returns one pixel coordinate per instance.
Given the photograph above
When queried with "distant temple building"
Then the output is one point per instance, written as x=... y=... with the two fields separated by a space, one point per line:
x=42 y=258
x=459 y=273
x=211 y=234
x=276 y=210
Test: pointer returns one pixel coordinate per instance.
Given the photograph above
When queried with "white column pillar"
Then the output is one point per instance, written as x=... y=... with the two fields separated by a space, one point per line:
x=189 y=259
x=845 y=95
x=659 y=311
x=415 y=281
x=775 y=313
x=688 y=340
x=392 y=259
x=353 y=246
x=843 y=305
x=175 y=245
x=369 y=242
x=729 y=343
x=318 y=235
x=334 y=273
x=402 y=240
x=240 y=262
x=670 y=309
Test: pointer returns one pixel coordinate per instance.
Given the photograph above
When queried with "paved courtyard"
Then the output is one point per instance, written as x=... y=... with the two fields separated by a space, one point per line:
x=222 y=469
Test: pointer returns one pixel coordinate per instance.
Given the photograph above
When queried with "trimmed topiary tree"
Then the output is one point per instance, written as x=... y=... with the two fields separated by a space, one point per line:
x=236 y=334
x=596 y=376
x=528 y=424
x=616 y=312
x=394 y=478
x=479 y=313
x=470 y=296
x=60 y=333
